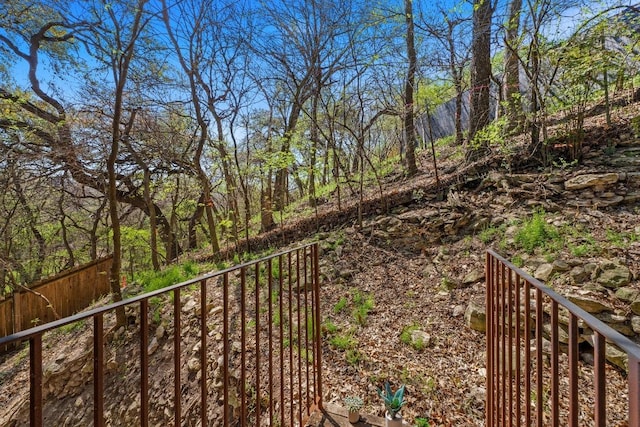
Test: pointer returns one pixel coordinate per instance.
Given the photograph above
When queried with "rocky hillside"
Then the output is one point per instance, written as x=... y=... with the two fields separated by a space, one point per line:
x=396 y=290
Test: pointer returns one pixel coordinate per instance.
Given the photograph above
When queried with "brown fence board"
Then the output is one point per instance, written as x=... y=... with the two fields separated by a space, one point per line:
x=68 y=292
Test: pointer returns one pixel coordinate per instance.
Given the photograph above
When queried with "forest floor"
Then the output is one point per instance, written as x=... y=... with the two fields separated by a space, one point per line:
x=376 y=286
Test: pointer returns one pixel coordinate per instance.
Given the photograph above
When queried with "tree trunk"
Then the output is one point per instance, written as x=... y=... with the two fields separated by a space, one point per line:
x=409 y=125
x=479 y=115
x=512 y=68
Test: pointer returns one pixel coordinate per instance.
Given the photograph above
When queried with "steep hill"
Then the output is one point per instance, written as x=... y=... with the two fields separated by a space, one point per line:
x=416 y=264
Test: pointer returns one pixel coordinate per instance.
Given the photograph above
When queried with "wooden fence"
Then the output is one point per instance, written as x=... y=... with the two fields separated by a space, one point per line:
x=68 y=292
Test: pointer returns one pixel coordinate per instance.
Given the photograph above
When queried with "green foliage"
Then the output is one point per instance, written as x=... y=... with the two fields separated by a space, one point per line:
x=422 y=422
x=340 y=305
x=490 y=233
x=343 y=342
x=393 y=401
x=71 y=327
x=353 y=356
x=363 y=303
x=536 y=233
x=329 y=327
x=154 y=280
x=621 y=239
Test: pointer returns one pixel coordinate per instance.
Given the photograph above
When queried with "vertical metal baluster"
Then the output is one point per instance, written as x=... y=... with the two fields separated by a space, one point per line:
x=225 y=349
x=290 y=280
x=299 y=284
x=243 y=341
x=98 y=370
x=527 y=354
x=510 y=340
x=503 y=349
x=318 y=337
x=281 y=335
x=257 y=297
x=203 y=352
x=599 y=344
x=270 y=326
x=144 y=362
x=539 y=389
x=35 y=381
x=555 y=373
x=177 y=345
x=517 y=350
x=634 y=391
x=573 y=370
x=306 y=326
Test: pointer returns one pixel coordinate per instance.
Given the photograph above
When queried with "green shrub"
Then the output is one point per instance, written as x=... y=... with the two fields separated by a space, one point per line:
x=536 y=233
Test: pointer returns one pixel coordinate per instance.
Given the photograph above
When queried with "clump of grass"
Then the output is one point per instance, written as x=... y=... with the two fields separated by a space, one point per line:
x=363 y=303
x=536 y=233
x=154 y=280
x=343 y=341
x=340 y=305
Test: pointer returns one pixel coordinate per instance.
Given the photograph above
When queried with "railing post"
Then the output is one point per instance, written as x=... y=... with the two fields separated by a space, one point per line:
x=35 y=380
x=318 y=338
x=634 y=391
x=98 y=370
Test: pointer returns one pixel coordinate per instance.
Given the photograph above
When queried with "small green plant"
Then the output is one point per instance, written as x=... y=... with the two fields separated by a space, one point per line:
x=353 y=403
x=364 y=303
x=71 y=327
x=343 y=342
x=517 y=261
x=489 y=234
x=422 y=422
x=340 y=305
x=329 y=327
x=393 y=401
x=536 y=233
x=353 y=356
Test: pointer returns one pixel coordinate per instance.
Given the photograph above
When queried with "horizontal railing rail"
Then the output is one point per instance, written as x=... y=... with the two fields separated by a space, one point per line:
x=270 y=352
x=528 y=392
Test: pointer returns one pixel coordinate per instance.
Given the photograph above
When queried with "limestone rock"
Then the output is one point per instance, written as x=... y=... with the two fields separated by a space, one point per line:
x=458 y=311
x=473 y=277
x=589 y=303
x=627 y=294
x=614 y=275
x=544 y=272
x=153 y=346
x=560 y=265
x=420 y=339
x=590 y=180
x=578 y=275
x=617 y=322
x=635 y=306
x=193 y=365
x=617 y=357
x=635 y=324
x=475 y=317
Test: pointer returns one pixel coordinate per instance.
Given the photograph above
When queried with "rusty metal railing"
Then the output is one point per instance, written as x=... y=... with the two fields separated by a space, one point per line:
x=547 y=385
x=266 y=370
